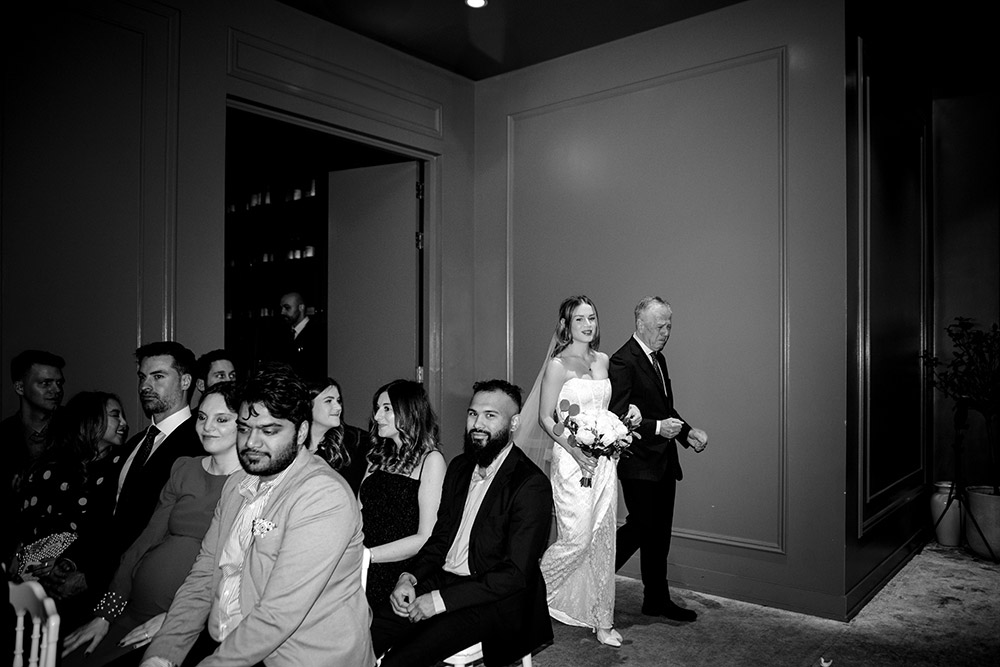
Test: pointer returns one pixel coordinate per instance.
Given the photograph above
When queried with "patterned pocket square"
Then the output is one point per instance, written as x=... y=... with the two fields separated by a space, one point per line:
x=262 y=527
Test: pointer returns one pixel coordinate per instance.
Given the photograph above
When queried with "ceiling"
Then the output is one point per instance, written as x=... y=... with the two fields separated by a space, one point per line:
x=507 y=35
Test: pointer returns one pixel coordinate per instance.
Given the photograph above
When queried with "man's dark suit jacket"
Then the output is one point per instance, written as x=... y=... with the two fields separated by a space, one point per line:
x=98 y=552
x=142 y=487
x=634 y=380
x=508 y=537
x=307 y=352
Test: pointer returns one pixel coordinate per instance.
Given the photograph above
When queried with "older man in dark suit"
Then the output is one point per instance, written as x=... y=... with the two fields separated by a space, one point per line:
x=477 y=579
x=649 y=476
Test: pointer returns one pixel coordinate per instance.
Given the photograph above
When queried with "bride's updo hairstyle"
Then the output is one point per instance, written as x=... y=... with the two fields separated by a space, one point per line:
x=416 y=423
x=564 y=334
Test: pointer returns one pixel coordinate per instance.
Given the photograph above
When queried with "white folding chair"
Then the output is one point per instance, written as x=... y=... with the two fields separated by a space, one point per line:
x=30 y=598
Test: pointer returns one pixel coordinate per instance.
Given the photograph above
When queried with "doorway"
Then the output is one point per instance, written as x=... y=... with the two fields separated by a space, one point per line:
x=338 y=221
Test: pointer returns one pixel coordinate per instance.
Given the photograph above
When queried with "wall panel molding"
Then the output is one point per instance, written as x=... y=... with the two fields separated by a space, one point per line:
x=892 y=301
x=766 y=72
x=286 y=70
x=156 y=27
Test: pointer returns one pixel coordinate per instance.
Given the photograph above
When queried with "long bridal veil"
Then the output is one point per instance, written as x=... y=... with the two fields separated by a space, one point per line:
x=530 y=437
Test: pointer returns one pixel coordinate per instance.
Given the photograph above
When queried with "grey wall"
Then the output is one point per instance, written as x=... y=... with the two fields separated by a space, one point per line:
x=88 y=220
x=704 y=162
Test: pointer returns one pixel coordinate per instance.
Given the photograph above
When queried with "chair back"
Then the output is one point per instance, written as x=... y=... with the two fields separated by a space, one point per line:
x=366 y=560
x=29 y=599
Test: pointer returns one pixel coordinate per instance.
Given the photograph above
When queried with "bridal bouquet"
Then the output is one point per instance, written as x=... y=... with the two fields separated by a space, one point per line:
x=596 y=432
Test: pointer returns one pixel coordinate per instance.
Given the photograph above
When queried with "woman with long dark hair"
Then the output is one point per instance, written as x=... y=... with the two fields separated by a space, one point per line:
x=343 y=446
x=70 y=491
x=401 y=491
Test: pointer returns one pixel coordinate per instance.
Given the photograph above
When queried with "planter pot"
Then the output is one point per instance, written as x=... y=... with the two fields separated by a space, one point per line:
x=985 y=507
x=949 y=529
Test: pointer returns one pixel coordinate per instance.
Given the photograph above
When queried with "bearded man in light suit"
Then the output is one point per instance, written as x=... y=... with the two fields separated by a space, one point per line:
x=650 y=474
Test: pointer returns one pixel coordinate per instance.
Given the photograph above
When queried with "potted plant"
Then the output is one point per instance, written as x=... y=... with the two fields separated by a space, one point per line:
x=971 y=378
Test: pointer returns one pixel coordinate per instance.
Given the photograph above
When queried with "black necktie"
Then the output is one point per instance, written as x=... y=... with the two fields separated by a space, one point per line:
x=657 y=358
x=145 y=448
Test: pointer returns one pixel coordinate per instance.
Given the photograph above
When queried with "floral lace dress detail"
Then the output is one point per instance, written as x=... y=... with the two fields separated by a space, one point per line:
x=579 y=568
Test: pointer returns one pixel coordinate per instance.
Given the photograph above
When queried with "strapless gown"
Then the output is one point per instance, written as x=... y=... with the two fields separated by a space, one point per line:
x=579 y=568
x=390 y=510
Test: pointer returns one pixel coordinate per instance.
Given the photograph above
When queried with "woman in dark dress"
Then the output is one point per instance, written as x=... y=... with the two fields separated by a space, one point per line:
x=401 y=491
x=344 y=447
x=69 y=492
x=130 y=613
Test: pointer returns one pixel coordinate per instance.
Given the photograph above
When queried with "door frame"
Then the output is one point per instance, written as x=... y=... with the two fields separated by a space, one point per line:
x=429 y=305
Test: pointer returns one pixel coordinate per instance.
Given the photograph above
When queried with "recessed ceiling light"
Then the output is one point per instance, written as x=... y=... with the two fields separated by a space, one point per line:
x=476 y=4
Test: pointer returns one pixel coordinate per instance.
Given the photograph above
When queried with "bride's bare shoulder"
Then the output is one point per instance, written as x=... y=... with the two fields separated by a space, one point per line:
x=555 y=367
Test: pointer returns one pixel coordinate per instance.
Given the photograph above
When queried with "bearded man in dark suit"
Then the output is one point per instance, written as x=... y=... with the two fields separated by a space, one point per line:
x=650 y=474
x=477 y=578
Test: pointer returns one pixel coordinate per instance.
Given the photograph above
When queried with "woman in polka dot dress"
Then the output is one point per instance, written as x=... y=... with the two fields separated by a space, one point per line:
x=69 y=489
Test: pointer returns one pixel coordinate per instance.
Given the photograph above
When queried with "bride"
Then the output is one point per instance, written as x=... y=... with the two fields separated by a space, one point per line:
x=579 y=568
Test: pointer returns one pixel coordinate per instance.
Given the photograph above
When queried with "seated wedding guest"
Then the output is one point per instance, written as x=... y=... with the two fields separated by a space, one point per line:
x=154 y=567
x=69 y=492
x=38 y=381
x=213 y=367
x=165 y=374
x=278 y=577
x=343 y=446
x=164 y=377
x=402 y=488
x=477 y=578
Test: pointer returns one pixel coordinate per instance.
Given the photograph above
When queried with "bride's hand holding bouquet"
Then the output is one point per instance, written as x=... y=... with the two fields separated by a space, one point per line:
x=596 y=433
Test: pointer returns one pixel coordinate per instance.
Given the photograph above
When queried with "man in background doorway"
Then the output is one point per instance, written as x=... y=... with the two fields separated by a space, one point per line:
x=305 y=345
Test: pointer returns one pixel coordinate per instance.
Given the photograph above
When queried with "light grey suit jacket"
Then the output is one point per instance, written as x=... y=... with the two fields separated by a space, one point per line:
x=301 y=594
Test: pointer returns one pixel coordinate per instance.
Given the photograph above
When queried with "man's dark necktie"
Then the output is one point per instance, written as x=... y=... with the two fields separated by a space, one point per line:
x=145 y=448
x=657 y=361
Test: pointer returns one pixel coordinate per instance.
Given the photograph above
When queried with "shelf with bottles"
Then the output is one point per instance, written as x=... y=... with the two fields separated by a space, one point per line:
x=268 y=227
x=259 y=199
x=263 y=313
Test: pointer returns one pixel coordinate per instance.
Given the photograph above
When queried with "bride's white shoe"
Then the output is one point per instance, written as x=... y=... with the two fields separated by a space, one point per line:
x=609 y=637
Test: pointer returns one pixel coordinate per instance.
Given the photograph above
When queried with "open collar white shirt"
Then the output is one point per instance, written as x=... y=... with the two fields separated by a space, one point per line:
x=457 y=560
x=226 y=611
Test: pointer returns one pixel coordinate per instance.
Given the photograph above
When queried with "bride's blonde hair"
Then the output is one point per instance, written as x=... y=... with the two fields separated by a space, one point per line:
x=564 y=335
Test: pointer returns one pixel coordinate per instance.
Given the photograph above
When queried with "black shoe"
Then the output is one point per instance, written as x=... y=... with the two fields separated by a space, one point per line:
x=669 y=610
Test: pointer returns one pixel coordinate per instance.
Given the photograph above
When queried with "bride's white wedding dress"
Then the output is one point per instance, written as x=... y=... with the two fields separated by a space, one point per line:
x=579 y=568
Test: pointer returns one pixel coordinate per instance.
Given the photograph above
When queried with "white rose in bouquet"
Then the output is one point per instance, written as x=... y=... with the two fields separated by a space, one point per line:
x=585 y=435
x=596 y=433
x=610 y=428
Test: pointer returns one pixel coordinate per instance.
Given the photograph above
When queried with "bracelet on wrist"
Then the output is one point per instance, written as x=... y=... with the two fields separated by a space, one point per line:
x=110 y=606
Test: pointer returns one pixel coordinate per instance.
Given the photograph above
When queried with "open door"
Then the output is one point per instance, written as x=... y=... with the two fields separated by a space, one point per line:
x=374 y=318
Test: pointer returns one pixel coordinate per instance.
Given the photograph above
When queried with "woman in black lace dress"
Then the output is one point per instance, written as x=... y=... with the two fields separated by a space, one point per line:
x=402 y=487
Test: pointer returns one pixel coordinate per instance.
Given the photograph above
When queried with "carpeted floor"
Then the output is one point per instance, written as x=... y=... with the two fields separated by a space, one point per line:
x=942 y=608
